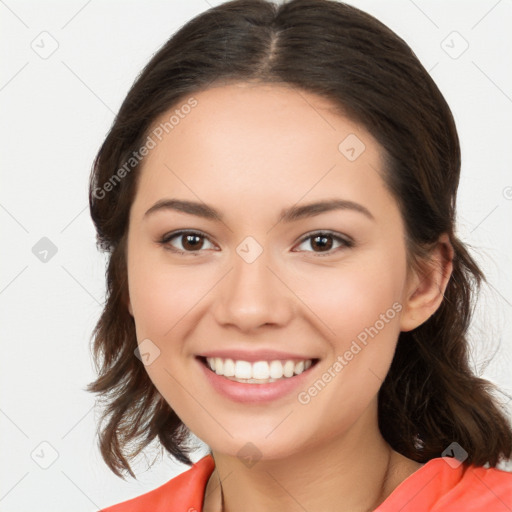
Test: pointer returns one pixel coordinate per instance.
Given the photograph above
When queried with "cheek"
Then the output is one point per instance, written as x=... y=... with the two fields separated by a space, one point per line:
x=340 y=307
x=361 y=307
x=353 y=297
x=360 y=304
x=163 y=298
x=162 y=294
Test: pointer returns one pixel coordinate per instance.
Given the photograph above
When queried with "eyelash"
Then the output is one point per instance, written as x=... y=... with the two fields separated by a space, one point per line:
x=344 y=241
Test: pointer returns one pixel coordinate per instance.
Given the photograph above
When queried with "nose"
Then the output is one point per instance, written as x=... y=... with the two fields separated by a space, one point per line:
x=253 y=295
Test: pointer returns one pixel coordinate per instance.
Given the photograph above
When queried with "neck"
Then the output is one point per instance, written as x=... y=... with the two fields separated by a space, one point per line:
x=353 y=473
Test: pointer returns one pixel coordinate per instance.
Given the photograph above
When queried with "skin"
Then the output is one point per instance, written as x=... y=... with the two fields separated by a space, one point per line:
x=250 y=150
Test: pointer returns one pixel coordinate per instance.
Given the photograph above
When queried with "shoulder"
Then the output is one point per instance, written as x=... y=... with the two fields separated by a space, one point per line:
x=185 y=491
x=445 y=485
x=486 y=489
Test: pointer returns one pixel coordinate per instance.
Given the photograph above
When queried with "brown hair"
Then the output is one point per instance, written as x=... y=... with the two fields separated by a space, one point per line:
x=430 y=397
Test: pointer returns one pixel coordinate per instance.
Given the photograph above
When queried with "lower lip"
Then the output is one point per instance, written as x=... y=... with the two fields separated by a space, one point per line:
x=251 y=393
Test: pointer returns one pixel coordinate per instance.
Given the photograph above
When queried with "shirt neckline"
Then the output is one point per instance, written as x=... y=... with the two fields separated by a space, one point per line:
x=411 y=484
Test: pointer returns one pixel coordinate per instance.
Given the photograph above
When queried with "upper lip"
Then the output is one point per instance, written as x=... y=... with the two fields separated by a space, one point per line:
x=253 y=356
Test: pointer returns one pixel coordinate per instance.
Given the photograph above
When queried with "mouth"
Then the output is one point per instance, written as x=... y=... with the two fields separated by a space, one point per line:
x=258 y=372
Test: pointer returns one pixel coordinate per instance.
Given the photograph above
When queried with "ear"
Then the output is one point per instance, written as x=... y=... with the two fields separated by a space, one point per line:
x=427 y=284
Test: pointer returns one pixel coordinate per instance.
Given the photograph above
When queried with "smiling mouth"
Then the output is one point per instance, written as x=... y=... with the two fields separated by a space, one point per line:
x=260 y=372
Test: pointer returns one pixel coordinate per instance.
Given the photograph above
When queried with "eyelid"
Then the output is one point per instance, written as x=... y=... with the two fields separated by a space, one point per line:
x=346 y=241
x=165 y=239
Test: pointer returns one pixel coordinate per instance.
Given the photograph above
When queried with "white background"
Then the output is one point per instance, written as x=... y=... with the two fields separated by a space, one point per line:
x=55 y=113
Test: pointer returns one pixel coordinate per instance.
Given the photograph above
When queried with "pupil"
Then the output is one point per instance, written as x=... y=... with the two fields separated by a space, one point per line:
x=192 y=242
x=322 y=241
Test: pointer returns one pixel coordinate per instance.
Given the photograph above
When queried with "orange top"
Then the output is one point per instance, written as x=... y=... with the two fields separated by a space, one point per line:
x=435 y=487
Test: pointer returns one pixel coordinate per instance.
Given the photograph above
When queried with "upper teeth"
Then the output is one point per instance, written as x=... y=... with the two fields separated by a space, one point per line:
x=257 y=370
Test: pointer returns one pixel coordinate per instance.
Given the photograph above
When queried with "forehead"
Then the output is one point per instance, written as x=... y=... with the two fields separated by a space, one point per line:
x=254 y=119
x=250 y=145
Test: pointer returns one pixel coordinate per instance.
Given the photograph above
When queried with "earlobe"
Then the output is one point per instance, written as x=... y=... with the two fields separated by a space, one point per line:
x=427 y=285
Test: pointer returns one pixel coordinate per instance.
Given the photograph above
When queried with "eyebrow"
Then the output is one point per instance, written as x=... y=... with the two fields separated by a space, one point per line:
x=291 y=214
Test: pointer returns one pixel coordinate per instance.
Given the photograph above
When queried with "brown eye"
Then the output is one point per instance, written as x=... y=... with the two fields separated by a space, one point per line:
x=321 y=242
x=191 y=242
x=186 y=242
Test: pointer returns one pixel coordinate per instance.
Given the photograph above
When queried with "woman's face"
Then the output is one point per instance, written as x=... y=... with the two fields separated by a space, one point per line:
x=265 y=276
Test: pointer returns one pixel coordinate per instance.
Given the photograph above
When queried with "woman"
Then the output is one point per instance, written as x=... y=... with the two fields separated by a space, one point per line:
x=277 y=196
